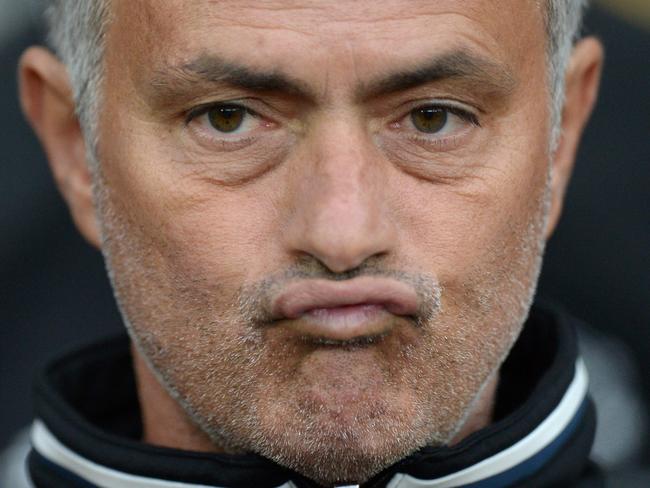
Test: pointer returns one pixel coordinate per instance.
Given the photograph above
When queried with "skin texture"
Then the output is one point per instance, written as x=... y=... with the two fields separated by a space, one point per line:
x=329 y=180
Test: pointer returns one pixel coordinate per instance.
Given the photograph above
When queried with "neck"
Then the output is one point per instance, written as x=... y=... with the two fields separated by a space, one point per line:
x=164 y=423
x=482 y=412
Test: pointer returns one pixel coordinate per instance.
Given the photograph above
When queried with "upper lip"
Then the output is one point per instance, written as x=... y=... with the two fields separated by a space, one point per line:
x=298 y=298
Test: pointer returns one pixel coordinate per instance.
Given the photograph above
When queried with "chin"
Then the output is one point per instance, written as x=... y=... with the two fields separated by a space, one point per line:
x=346 y=456
x=347 y=445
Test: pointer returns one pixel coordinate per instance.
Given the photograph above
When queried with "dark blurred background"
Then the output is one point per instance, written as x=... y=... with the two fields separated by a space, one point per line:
x=54 y=294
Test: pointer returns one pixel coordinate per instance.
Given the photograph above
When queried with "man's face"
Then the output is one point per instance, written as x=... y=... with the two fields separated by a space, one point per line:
x=324 y=220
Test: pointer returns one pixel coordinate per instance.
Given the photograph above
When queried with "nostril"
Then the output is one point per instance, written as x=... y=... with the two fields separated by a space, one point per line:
x=346 y=262
x=342 y=261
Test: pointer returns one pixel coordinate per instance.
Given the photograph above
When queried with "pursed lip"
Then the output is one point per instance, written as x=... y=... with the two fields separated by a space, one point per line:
x=344 y=310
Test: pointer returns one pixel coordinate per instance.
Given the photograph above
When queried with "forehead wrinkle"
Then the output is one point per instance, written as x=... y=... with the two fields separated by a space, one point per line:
x=267 y=15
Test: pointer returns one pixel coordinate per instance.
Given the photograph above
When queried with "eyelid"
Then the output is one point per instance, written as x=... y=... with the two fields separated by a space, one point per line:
x=202 y=109
x=455 y=108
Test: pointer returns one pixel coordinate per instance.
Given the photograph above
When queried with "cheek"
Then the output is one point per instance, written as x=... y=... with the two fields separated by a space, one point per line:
x=195 y=230
x=483 y=241
x=455 y=231
x=215 y=239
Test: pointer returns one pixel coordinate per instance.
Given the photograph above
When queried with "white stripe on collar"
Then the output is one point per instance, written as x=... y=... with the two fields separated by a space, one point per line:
x=50 y=448
x=545 y=433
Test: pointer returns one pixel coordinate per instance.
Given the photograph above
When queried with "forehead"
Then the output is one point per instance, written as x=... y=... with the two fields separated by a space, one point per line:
x=313 y=36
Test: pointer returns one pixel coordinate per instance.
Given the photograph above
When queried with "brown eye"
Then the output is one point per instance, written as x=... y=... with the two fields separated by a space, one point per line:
x=226 y=118
x=429 y=119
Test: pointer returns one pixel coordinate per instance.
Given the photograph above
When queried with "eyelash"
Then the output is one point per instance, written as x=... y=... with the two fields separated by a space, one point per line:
x=197 y=112
x=461 y=112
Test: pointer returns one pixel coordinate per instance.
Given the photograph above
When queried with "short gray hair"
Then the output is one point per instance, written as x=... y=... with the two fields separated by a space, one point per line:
x=77 y=31
x=77 y=34
x=563 y=24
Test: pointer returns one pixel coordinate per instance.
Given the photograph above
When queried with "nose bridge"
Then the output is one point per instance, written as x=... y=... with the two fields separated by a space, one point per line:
x=343 y=173
x=340 y=213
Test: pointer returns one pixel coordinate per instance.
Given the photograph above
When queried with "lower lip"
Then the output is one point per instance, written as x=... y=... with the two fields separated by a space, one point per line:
x=344 y=323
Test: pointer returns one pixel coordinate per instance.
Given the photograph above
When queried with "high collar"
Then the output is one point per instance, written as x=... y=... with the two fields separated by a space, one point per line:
x=88 y=425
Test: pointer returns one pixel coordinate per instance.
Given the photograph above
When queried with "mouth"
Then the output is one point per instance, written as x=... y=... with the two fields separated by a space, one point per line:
x=356 y=312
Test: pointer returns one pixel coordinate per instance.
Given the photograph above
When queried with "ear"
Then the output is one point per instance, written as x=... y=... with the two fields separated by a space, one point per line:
x=47 y=102
x=581 y=89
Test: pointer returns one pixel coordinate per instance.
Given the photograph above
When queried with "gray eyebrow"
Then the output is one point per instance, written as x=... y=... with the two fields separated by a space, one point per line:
x=215 y=70
x=484 y=74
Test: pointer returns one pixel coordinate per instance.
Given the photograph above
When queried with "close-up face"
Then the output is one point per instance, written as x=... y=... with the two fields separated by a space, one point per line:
x=324 y=221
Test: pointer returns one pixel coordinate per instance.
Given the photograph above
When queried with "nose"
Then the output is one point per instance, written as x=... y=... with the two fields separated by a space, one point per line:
x=340 y=210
